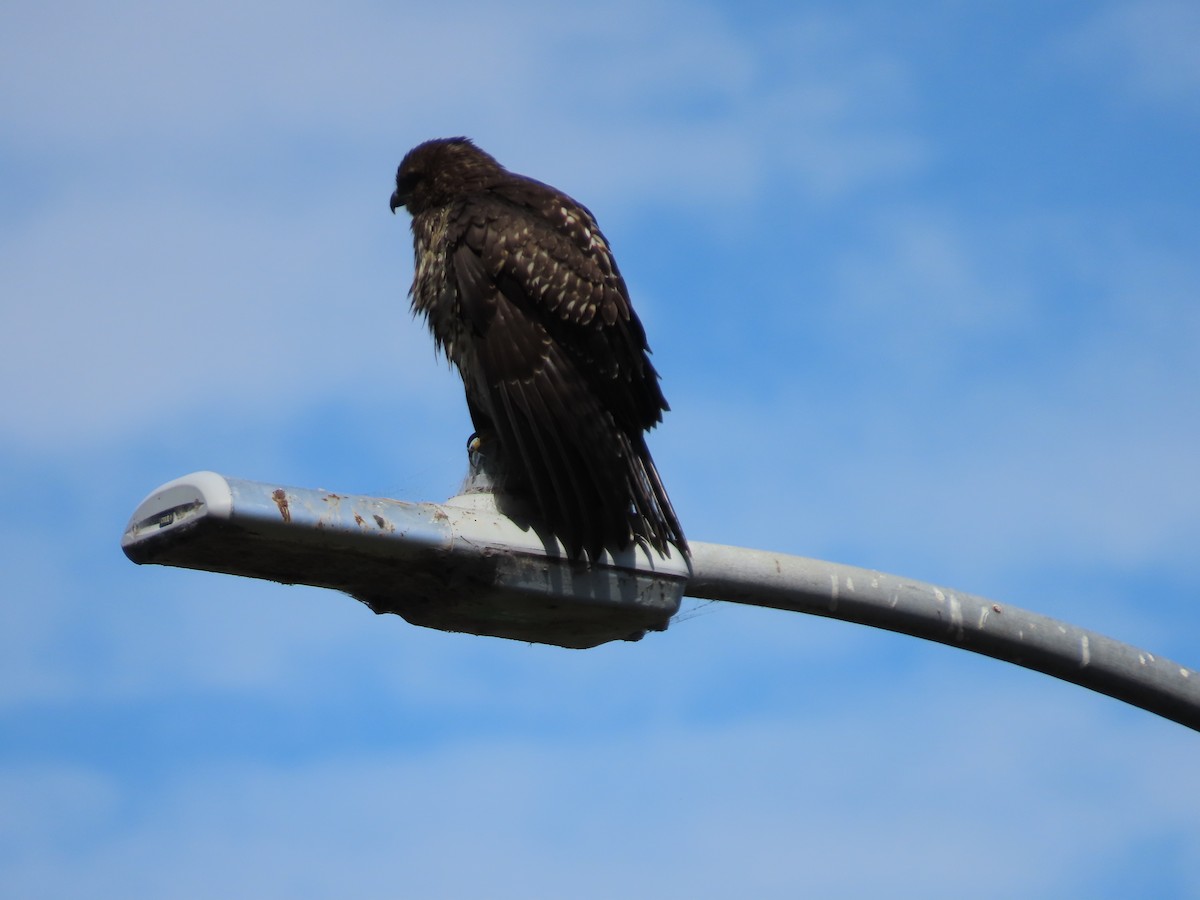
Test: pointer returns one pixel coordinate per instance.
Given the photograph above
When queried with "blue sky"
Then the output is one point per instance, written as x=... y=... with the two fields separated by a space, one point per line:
x=924 y=288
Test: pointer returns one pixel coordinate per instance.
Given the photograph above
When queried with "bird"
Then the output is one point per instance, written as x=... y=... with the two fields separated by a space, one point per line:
x=522 y=294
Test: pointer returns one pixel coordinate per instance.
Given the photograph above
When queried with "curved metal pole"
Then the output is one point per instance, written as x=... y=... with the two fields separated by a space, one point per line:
x=463 y=566
x=1015 y=635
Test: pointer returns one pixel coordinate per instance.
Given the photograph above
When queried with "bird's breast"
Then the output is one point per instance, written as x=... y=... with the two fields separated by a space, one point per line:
x=434 y=292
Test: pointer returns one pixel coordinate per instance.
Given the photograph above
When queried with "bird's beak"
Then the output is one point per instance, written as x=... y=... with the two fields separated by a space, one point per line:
x=397 y=201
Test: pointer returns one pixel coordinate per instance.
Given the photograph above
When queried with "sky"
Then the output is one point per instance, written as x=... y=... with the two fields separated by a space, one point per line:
x=923 y=285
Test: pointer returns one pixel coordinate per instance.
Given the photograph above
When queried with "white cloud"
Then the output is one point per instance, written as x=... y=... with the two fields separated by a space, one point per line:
x=205 y=231
x=185 y=250
x=1063 y=420
x=45 y=803
x=33 y=620
x=1148 y=48
x=925 y=294
x=935 y=796
x=120 y=315
x=718 y=113
x=981 y=398
x=623 y=108
x=210 y=73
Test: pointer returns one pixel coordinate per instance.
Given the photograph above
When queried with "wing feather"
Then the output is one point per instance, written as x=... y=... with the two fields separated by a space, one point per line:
x=556 y=365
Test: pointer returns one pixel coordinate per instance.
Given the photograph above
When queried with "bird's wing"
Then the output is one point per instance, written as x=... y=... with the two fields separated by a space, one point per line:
x=552 y=250
x=561 y=369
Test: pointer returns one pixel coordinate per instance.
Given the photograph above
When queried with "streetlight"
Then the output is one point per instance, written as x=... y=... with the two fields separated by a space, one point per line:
x=467 y=566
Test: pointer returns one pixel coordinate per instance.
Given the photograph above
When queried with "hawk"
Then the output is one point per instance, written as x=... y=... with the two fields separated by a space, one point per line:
x=523 y=296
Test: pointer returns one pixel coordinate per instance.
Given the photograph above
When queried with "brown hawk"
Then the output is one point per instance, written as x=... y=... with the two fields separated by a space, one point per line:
x=522 y=294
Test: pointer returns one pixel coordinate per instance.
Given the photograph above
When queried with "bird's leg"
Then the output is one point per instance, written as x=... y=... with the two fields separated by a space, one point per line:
x=483 y=461
x=482 y=447
x=475 y=449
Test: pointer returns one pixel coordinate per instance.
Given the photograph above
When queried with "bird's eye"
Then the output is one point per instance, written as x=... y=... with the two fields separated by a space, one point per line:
x=405 y=185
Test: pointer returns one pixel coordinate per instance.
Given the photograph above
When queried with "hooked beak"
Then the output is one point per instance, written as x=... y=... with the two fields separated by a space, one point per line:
x=397 y=201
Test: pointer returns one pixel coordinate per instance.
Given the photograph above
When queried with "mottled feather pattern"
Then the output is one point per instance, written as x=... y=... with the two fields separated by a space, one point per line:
x=522 y=293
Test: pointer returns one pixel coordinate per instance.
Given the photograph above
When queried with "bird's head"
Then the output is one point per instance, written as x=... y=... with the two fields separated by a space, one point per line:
x=435 y=172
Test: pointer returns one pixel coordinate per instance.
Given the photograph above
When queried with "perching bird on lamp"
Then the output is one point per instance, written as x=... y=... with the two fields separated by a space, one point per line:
x=522 y=294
